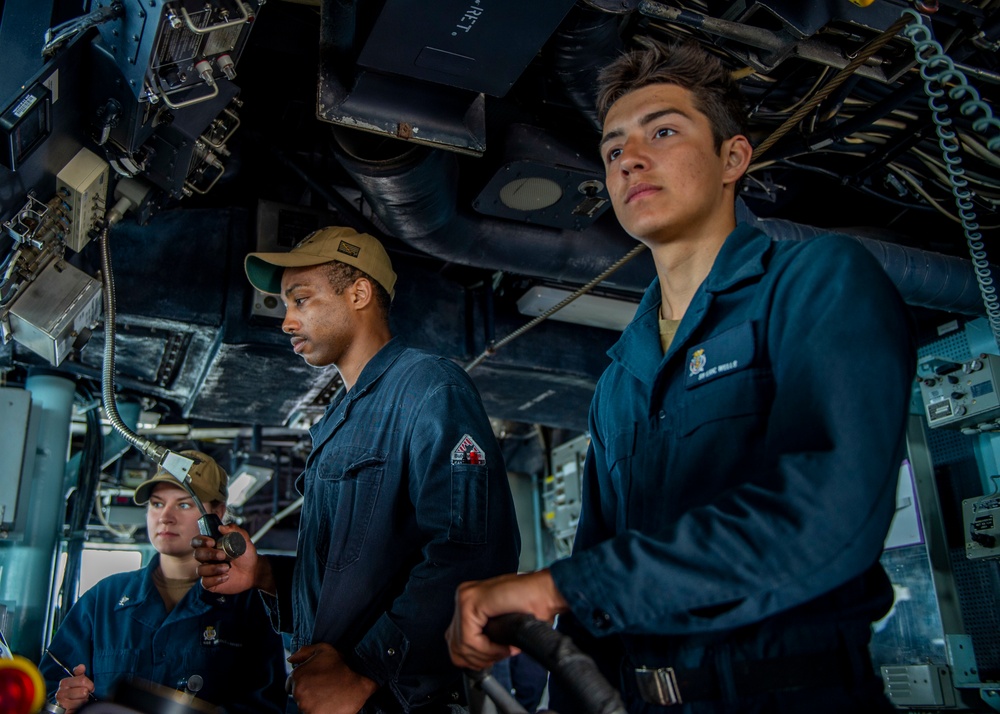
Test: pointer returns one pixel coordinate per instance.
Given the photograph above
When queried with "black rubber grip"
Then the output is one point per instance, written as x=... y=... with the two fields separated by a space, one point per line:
x=557 y=653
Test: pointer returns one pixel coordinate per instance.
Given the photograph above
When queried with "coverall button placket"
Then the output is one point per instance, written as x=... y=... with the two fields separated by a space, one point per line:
x=601 y=619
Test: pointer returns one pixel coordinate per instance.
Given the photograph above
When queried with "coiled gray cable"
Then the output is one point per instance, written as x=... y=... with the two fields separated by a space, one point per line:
x=937 y=69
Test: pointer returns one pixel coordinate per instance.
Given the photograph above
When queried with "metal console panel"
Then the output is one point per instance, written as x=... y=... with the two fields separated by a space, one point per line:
x=981 y=517
x=961 y=395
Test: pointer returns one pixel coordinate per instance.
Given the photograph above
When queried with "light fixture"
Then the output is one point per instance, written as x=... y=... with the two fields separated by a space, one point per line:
x=589 y=309
x=247 y=480
x=530 y=194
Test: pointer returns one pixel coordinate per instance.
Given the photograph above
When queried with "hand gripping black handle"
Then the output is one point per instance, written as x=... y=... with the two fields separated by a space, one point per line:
x=557 y=653
x=232 y=544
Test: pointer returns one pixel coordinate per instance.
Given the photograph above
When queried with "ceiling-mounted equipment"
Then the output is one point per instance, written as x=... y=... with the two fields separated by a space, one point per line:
x=764 y=33
x=177 y=51
x=611 y=313
x=477 y=45
x=163 y=104
x=423 y=69
x=549 y=195
x=567 y=193
x=25 y=125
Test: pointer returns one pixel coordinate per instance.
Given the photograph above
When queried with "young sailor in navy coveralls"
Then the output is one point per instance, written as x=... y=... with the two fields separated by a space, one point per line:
x=745 y=439
x=160 y=625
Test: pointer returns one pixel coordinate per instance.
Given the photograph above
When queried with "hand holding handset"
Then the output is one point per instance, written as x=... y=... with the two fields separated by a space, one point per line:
x=232 y=544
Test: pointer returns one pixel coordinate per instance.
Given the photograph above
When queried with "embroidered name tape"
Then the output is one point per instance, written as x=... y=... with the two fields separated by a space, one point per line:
x=723 y=354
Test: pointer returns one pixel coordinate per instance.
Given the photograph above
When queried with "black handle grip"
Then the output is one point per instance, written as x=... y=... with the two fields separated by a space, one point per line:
x=233 y=544
x=557 y=653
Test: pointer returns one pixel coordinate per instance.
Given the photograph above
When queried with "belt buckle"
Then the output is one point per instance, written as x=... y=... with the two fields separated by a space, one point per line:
x=658 y=686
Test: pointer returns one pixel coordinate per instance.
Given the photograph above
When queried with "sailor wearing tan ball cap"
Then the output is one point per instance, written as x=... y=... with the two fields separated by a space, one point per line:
x=405 y=493
x=158 y=624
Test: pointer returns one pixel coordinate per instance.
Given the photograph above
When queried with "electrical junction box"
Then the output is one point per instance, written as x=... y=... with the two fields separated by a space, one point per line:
x=82 y=186
x=57 y=312
x=961 y=395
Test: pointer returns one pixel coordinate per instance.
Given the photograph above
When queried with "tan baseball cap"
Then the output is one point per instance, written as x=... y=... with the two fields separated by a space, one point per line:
x=334 y=243
x=208 y=480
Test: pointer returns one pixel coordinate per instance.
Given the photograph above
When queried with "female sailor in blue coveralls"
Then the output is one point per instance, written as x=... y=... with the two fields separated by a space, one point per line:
x=158 y=624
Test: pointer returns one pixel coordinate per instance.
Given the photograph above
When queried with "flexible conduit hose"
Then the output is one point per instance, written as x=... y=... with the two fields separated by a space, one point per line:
x=150 y=449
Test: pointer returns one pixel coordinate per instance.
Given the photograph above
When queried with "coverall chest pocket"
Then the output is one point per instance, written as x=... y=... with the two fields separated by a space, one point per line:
x=347 y=493
x=726 y=380
x=114 y=664
x=723 y=402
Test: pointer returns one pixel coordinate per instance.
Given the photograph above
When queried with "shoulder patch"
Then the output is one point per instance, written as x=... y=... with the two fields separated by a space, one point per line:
x=467 y=451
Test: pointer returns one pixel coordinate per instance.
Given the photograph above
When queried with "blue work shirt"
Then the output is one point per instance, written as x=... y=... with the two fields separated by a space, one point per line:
x=120 y=629
x=742 y=484
x=405 y=497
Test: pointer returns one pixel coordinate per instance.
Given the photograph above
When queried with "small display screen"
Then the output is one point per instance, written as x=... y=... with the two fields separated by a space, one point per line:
x=25 y=125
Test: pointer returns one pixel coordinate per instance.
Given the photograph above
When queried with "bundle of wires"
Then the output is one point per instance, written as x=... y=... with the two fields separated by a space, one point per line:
x=56 y=37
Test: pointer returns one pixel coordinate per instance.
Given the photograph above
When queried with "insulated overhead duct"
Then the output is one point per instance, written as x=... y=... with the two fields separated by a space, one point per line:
x=585 y=42
x=923 y=278
x=410 y=187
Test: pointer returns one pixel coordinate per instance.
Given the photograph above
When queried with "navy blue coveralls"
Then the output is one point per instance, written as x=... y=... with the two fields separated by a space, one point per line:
x=405 y=497
x=742 y=484
x=120 y=630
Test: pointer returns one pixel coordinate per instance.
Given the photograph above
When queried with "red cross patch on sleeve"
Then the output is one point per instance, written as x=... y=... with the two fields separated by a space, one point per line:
x=467 y=451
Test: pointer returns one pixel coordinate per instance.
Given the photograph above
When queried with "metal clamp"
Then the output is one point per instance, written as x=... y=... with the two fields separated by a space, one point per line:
x=658 y=686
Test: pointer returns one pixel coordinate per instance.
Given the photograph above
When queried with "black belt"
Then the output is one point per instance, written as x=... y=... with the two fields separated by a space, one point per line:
x=667 y=686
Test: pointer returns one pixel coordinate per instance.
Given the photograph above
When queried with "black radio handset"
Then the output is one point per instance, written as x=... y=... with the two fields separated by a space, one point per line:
x=179 y=466
x=233 y=544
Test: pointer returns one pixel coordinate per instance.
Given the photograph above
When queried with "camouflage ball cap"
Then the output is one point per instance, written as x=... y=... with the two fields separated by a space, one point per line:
x=208 y=480
x=334 y=243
